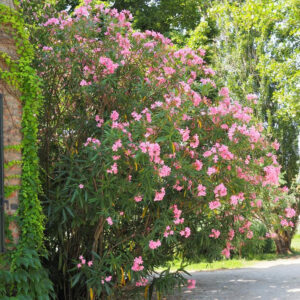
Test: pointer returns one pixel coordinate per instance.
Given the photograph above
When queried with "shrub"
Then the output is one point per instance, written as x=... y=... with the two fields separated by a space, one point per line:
x=144 y=158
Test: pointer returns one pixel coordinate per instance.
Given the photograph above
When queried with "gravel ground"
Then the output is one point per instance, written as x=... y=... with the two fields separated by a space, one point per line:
x=269 y=280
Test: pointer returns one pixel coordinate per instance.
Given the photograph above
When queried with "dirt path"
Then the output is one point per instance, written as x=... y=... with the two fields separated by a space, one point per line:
x=269 y=280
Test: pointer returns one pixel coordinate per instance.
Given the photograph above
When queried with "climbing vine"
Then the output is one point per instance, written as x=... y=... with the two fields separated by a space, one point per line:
x=21 y=273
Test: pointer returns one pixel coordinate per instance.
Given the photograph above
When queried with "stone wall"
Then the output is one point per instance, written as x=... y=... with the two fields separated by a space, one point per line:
x=12 y=116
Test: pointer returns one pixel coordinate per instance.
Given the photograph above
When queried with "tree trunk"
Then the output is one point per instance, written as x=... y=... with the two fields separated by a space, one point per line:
x=283 y=242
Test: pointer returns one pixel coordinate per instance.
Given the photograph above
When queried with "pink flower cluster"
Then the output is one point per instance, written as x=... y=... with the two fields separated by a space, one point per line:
x=290 y=212
x=154 y=244
x=201 y=190
x=177 y=213
x=186 y=232
x=109 y=221
x=168 y=231
x=142 y=282
x=113 y=169
x=93 y=141
x=215 y=233
x=159 y=195
x=83 y=261
x=110 y=66
x=164 y=171
x=153 y=150
x=272 y=175
x=226 y=251
x=137 y=264
x=214 y=204
x=220 y=190
x=117 y=145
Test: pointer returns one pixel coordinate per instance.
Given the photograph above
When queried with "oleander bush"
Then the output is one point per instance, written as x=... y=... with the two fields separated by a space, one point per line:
x=144 y=158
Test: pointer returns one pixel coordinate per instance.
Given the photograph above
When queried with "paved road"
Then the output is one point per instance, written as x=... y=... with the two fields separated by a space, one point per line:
x=271 y=280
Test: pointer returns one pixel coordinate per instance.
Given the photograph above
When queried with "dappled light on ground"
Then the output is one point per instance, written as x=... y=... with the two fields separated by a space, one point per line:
x=276 y=280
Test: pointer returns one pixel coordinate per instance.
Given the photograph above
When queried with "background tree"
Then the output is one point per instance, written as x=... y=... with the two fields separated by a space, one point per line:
x=257 y=51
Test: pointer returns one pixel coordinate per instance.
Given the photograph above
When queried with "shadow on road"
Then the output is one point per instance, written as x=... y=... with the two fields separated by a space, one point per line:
x=276 y=280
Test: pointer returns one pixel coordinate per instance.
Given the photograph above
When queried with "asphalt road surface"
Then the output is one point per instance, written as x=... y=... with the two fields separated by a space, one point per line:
x=270 y=280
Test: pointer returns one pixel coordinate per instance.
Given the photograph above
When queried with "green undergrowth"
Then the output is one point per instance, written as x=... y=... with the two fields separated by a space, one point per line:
x=296 y=243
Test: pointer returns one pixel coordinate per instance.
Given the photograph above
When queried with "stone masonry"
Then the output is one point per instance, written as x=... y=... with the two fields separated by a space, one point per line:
x=12 y=116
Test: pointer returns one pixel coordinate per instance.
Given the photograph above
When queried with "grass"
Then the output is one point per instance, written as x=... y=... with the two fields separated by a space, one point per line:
x=296 y=242
x=216 y=265
x=236 y=263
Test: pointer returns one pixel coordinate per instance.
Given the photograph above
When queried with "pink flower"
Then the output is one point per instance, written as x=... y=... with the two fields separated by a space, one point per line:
x=51 y=21
x=45 y=48
x=276 y=145
x=142 y=282
x=284 y=222
x=83 y=261
x=154 y=244
x=81 y=11
x=272 y=175
x=224 y=92
x=234 y=200
x=90 y=263
x=164 y=171
x=215 y=233
x=117 y=145
x=84 y=83
x=109 y=221
x=201 y=190
x=168 y=232
x=191 y=283
x=195 y=142
x=159 y=195
x=79 y=266
x=136 y=116
x=185 y=133
x=198 y=165
x=81 y=186
x=186 y=232
x=225 y=153
x=138 y=198
x=99 y=121
x=137 y=264
x=108 y=278
x=211 y=170
x=250 y=234
x=169 y=71
x=94 y=141
x=259 y=203
x=226 y=252
x=110 y=66
x=290 y=212
x=114 y=116
x=231 y=234
x=220 y=190
x=214 y=204
x=251 y=97
x=113 y=169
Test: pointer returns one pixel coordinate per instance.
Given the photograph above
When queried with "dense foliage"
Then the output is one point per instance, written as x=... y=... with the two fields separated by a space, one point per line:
x=22 y=275
x=144 y=158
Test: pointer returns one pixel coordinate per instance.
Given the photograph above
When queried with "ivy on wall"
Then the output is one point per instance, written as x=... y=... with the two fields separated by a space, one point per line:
x=21 y=273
